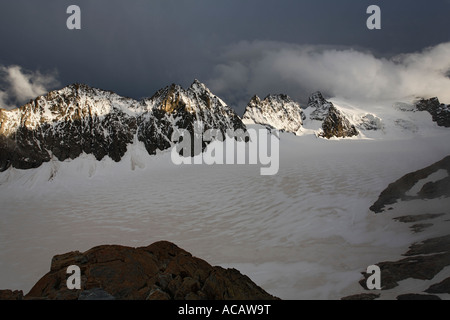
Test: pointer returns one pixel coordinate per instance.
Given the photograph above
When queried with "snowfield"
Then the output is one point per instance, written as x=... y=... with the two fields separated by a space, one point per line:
x=305 y=233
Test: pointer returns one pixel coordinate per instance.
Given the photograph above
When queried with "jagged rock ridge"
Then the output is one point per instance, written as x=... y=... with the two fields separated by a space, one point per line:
x=282 y=113
x=334 y=124
x=65 y=123
x=277 y=111
x=337 y=125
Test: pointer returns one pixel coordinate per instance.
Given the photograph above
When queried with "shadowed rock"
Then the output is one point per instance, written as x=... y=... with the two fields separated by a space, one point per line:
x=362 y=296
x=398 y=190
x=442 y=287
x=420 y=227
x=419 y=217
x=424 y=261
x=417 y=267
x=415 y=296
x=439 y=111
x=430 y=246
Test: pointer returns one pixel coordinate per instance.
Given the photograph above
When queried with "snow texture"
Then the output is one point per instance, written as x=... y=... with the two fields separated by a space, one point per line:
x=305 y=233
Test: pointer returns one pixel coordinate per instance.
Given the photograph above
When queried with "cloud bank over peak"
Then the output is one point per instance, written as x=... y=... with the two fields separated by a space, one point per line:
x=18 y=85
x=263 y=67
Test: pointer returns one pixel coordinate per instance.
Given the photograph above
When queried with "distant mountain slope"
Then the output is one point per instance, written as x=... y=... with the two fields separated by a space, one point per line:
x=77 y=119
x=282 y=113
x=346 y=119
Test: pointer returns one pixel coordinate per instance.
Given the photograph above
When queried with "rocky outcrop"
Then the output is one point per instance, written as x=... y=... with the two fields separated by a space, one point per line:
x=161 y=271
x=337 y=125
x=11 y=295
x=174 y=108
x=439 y=111
x=424 y=260
x=398 y=190
x=78 y=119
x=277 y=111
x=334 y=123
x=442 y=287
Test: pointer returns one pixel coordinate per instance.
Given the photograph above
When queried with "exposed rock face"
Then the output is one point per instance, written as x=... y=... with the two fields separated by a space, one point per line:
x=439 y=111
x=427 y=259
x=442 y=287
x=424 y=261
x=11 y=295
x=277 y=111
x=174 y=108
x=320 y=105
x=398 y=190
x=337 y=125
x=334 y=124
x=161 y=271
x=65 y=123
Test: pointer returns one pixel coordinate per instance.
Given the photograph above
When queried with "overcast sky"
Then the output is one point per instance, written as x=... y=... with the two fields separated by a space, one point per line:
x=238 y=48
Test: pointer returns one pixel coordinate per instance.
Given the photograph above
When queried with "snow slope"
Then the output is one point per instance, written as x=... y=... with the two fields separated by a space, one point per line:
x=305 y=233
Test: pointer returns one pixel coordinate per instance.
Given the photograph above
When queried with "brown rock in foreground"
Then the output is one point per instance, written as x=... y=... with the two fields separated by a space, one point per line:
x=159 y=271
x=11 y=295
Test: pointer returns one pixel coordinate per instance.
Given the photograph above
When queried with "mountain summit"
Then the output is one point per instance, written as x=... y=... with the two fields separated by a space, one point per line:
x=321 y=106
x=79 y=119
x=277 y=111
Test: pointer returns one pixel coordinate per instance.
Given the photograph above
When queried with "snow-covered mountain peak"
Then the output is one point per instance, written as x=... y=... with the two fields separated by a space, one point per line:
x=196 y=99
x=79 y=119
x=255 y=99
x=71 y=103
x=199 y=87
x=320 y=106
x=277 y=111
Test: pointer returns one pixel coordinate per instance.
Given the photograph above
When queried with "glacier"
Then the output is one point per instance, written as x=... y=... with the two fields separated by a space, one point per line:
x=305 y=233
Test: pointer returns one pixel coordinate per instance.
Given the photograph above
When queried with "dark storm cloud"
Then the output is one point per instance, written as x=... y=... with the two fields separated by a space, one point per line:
x=136 y=47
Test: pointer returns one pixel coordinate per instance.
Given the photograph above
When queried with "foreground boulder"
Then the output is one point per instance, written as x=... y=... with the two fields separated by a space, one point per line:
x=161 y=271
